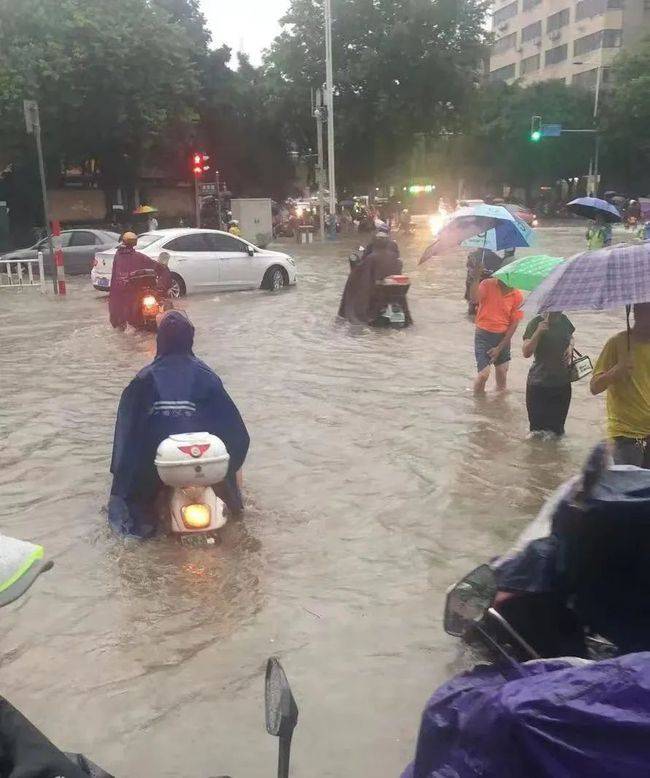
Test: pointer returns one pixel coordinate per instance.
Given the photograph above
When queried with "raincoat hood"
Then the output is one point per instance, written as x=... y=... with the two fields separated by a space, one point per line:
x=175 y=335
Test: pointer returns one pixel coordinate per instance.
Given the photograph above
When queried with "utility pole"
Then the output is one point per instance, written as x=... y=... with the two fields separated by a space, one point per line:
x=329 y=101
x=33 y=125
x=319 y=110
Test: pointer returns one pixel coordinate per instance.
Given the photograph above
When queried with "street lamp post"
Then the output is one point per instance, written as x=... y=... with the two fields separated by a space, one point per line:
x=595 y=160
x=329 y=101
x=318 y=115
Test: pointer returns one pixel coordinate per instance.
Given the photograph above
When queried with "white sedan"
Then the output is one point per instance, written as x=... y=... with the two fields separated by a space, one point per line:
x=205 y=260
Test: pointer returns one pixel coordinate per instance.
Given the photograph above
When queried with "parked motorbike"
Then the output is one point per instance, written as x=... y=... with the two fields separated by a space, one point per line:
x=150 y=301
x=191 y=464
x=576 y=584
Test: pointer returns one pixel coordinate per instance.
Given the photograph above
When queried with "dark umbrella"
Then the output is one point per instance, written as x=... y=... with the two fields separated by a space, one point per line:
x=594 y=207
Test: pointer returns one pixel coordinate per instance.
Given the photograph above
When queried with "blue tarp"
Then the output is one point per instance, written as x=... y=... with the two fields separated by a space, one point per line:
x=560 y=721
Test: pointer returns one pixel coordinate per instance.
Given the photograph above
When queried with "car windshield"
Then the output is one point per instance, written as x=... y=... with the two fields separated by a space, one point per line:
x=147 y=239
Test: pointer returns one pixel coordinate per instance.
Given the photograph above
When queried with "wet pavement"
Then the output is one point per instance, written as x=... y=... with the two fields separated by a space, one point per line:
x=374 y=480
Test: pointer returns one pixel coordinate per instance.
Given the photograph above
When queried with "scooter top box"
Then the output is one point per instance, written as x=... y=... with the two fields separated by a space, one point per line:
x=192 y=459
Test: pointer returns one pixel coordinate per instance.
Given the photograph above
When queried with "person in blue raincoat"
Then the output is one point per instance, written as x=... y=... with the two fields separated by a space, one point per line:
x=146 y=416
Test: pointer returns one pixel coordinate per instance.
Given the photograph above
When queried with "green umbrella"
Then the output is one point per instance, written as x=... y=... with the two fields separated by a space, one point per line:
x=527 y=273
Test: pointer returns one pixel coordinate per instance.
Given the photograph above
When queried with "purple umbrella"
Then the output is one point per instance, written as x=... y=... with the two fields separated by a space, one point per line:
x=611 y=277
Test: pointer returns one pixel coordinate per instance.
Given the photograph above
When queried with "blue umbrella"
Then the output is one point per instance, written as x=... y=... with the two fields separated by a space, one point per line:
x=502 y=237
x=594 y=207
x=469 y=222
x=610 y=277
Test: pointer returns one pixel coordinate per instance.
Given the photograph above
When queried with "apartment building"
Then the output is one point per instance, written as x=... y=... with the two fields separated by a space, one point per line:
x=568 y=40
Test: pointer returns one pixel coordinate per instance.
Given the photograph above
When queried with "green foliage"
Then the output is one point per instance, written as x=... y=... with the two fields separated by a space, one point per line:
x=626 y=119
x=401 y=67
x=112 y=79
x=497 y=129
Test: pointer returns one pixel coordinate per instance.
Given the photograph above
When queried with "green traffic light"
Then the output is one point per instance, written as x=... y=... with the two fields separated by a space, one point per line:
x=535 y=136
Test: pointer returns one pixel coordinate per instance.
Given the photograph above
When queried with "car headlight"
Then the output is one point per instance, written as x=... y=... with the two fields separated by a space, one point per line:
x=291 y=261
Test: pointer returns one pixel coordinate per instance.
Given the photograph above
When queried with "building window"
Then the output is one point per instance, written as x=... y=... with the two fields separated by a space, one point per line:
x=586 y=80
x=558 y=54
x=533 y=31
x=505 y=13
x=585 y=9
x=603 y=39
x=503 y=74
x=529 y=65
x=558 y=20
x=505 y=44
x=528 y=4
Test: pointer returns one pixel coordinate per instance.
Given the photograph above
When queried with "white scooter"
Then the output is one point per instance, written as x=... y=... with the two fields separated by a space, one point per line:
x=191 y=463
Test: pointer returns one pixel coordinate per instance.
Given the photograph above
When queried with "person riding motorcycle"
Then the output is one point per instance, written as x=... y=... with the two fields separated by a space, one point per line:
x=176 y=393
x=233 y=228
x=583 y=564
x=380 y=258
x=123 y=296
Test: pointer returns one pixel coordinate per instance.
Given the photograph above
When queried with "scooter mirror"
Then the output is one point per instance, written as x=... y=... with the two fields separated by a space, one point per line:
x=280 y=705
x=468 y=600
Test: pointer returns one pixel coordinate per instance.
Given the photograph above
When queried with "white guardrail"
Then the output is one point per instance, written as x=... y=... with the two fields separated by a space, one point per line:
x=19 y=273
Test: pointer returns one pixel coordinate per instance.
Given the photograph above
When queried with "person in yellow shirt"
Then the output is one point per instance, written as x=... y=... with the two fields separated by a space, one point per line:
x=233 y=228
x=624 y=372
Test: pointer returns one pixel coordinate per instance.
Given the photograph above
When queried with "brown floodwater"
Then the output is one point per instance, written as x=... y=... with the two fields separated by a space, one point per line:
x=375 y=479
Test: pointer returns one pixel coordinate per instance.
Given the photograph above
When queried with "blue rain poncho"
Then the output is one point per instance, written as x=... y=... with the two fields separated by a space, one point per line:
x=176 y=393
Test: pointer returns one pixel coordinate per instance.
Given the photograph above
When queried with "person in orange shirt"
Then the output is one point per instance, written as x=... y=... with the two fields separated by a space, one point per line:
x=497 y=318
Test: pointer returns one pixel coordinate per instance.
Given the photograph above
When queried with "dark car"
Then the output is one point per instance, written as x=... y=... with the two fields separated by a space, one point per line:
x=79 y=247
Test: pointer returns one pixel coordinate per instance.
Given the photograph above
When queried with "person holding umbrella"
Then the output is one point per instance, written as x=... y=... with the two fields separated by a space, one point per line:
x=548 y=388
x=599 y=234
x=623 y=371
x=497 y=319
x=602 y=213
x=607 y=279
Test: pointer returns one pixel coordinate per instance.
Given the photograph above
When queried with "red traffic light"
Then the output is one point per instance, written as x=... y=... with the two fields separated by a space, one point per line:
x=198 y=163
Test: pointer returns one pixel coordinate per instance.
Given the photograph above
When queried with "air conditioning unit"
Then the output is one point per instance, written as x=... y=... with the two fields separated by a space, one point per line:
x=537 y=42
x=519 y=49
x=502 y=27
x=555 y=35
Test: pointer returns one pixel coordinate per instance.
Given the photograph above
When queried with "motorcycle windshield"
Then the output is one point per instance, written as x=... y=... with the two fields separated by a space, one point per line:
x=560 y=720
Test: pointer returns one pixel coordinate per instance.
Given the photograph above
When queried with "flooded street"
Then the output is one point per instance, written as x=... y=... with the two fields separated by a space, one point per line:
x=375 y=479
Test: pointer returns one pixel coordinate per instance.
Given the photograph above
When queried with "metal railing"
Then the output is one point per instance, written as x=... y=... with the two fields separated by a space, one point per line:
x=19 y=273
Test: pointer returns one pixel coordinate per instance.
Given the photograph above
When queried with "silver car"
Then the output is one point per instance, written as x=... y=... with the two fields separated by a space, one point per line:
x=79 y=248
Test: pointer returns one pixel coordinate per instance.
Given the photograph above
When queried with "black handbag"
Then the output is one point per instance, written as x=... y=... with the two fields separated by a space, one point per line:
x=580 y=366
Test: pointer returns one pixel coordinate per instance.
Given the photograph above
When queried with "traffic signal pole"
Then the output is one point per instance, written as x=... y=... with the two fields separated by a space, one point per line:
x=33 y=125
x=197 y=201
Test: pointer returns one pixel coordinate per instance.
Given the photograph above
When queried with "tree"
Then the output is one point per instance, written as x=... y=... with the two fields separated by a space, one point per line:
x=497 y=130
x=113 y=80
x=402 y=67
x=626 y=119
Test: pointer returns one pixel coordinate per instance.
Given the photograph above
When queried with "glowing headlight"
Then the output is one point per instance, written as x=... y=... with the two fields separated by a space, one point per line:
x=149 y=302
x=196 y=516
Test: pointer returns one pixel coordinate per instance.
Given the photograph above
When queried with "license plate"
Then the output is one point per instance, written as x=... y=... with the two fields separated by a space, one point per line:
x=198 y=539
x=102 y=282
